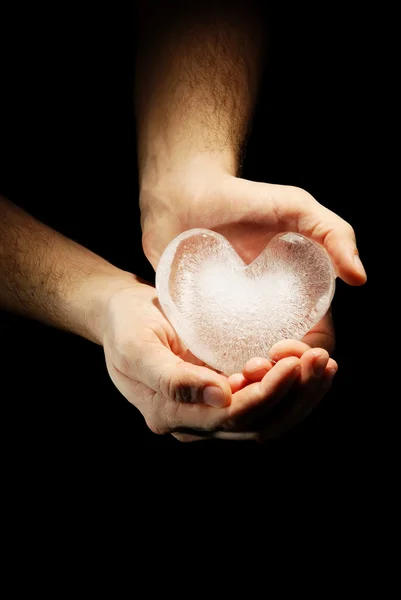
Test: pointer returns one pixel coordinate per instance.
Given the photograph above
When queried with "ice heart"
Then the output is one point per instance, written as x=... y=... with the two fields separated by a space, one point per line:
x=226 y=311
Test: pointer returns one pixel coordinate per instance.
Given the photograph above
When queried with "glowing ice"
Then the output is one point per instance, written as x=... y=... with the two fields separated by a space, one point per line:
x=227 y=312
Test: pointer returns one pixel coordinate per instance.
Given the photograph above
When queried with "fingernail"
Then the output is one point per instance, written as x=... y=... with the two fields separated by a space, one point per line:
x=359 y=266
x=319 y=365
x=213 y=396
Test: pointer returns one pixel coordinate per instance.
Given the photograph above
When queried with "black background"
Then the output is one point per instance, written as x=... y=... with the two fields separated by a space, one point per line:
x=68 y=157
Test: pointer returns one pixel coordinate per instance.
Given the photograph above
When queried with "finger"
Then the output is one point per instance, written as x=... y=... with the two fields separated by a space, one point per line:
x=313 y=391
x=161 y=370
x=305 y=409
x=297 y=210
x=237 y=381
x=294 y=209
x=303 y=404
x=247 y=404
x=286 y=348
x=313 y=363
x=256 y=368
x=193 y=421
x=279 y=425
x=163 y=415
x=259 y=397
x=195 y=416
x=338 y=237
x=319 y=339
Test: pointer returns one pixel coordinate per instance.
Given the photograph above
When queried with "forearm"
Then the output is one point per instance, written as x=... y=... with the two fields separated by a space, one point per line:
x=197 y=74
x=48 y=277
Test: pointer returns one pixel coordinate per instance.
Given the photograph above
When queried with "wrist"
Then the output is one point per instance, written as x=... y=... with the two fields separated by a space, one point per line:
x=94 y=296
x=169 y=185
x=177 y=198
x=185 y=166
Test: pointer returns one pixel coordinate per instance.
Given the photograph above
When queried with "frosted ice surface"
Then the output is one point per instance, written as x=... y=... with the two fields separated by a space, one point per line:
x=226 y=311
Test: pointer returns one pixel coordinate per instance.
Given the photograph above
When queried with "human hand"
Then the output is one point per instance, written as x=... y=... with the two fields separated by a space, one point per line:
x=249 y=214
x=284 y=412
x=151 y=367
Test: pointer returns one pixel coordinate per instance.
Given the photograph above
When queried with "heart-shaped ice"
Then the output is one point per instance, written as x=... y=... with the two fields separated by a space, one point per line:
x=226 y=311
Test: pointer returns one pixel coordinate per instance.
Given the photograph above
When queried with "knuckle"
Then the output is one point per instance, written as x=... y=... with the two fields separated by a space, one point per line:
x=291 y=204
x=305 y=195
x=299 y=195
x=185 y=394
x=350 y=229
x=179 y=391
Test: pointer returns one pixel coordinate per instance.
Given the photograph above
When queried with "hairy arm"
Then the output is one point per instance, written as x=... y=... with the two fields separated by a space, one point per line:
x=197 y=74
x=198 y=68
x=46 y=276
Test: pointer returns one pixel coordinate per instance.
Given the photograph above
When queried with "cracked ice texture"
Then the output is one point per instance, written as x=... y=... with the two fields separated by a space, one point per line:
x=226 y=311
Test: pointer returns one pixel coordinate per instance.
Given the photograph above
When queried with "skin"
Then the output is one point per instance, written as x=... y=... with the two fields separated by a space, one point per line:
x=198 y=73
x=46 y=276
x=171 y=399
x=198 y=69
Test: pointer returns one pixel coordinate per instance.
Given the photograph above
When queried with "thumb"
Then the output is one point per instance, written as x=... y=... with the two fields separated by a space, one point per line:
x=338 y=237
x=289 y=208
x=177 y=380
x=328 y=229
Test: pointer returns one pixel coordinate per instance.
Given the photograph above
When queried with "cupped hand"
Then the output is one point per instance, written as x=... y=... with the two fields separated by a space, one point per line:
x=177 y=394
x=282 y=414
x=247 y=213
